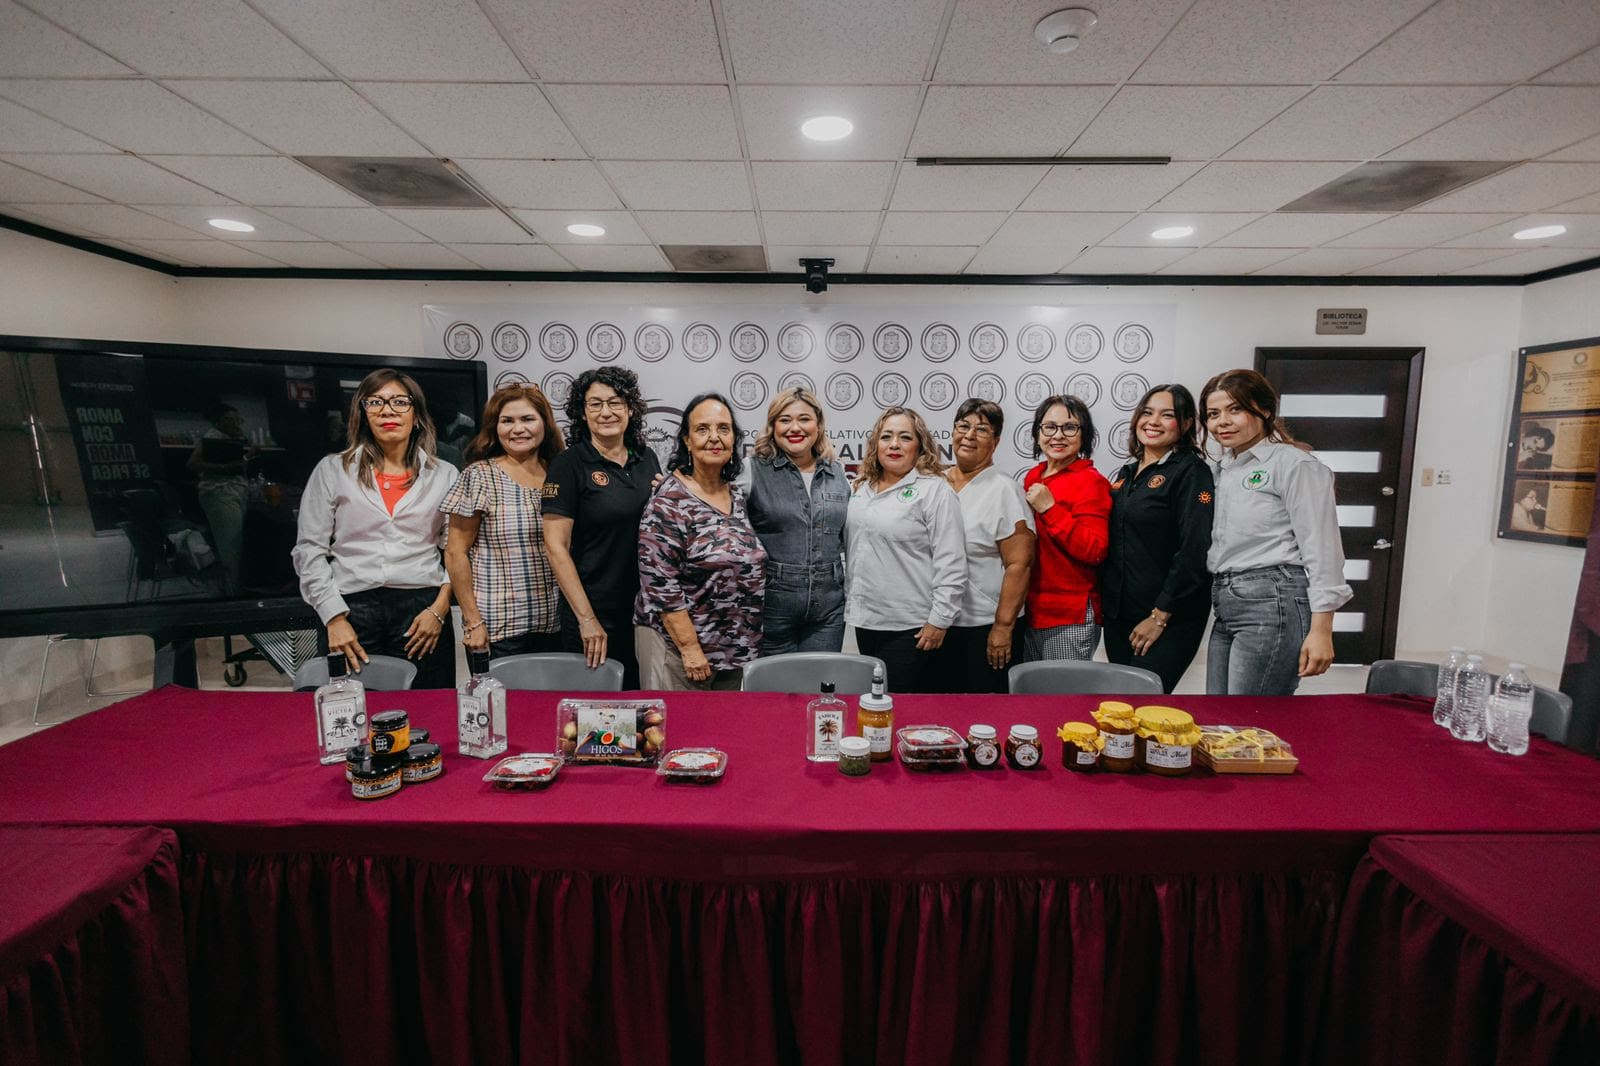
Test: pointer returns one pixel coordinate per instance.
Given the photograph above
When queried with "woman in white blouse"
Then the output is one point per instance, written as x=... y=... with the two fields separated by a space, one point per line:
x=368 y=551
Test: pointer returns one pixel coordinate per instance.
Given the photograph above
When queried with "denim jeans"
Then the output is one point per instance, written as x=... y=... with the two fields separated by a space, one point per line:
x=1263 y=616
x=804 y=609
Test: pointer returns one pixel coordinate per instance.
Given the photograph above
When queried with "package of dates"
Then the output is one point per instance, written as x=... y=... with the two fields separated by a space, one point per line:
x=619 y=732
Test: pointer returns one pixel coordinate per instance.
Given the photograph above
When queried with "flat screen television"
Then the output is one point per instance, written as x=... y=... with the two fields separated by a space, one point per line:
x=154 y=488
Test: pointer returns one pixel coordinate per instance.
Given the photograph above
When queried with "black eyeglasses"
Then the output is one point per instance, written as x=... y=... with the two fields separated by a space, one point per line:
x=377 y=403
x=975 y=429
x=1062 y=429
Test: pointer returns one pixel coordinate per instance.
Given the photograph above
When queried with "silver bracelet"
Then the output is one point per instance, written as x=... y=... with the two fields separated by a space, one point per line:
x=435 y=614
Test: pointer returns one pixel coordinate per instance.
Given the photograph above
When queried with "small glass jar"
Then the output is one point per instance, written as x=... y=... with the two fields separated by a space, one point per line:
x=1167 y=737
x=1022 y=747
x=423 y=762
x=391 y=733
x=420 y=735
x=375 y=778
x=1080 y=746
x=983 y=748
x=1118 y=728
x=353 y=758
x=855 y=756
x=876 y=726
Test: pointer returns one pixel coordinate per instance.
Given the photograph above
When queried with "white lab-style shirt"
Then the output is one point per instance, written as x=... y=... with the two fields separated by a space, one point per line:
x=349 y=542
x=905 y=555
x=991 y=506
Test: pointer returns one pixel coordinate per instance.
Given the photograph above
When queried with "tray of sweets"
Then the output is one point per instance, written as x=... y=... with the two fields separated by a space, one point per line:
x=1227 y=749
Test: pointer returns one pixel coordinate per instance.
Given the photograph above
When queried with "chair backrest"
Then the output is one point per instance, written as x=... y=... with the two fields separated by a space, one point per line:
x=1069 y=677
x=1403 y=676
x=380 y=673
x=804 y=672
x=1552 y=714
x=556 y=671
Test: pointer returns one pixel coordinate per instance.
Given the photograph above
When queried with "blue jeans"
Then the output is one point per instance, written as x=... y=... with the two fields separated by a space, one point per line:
x=804 y=609
x=1263 y=616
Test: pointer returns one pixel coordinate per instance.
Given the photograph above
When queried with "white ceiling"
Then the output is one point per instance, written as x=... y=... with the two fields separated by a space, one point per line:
x=675 y=122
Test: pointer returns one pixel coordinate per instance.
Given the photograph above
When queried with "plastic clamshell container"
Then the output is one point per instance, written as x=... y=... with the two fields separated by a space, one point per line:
x=526 y=771
x=924 y=761
x=929 y=738
x=701 y=765
x=616 y=731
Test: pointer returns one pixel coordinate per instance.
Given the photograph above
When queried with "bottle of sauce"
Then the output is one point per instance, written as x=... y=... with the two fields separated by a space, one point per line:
x=875 y=718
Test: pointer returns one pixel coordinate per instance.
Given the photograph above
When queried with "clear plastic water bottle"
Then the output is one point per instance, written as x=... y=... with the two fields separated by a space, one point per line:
x=1445 y=699
x=1472 y=700
x=1509 y=711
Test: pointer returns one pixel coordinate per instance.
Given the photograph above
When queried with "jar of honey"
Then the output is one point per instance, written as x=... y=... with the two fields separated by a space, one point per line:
x=983 y=750
x=1118 y=728
x=1080 y=746
x=1166 y=740
x=1022 y=747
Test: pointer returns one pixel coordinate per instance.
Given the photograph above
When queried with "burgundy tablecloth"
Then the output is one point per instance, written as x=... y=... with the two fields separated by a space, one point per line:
x=91 y=947
x=1470 y=949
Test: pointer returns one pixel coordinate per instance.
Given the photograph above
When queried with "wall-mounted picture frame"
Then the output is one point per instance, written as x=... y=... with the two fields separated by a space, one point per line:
x=1553 y=444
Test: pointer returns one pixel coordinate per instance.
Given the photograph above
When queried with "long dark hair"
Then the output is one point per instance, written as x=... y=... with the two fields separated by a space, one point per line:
x=1255 y=394
x=361 y=447
x=1088 y=436
x=626 y=384
x=683 y=462
x=486 y=445
x=1182 y=408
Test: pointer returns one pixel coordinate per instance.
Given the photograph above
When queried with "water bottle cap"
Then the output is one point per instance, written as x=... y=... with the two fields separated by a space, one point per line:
x=1474 y=658
x=1515 y=666
x=1458 y=648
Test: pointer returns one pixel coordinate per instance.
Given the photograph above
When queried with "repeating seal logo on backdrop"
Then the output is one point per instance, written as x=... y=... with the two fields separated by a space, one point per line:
x=1127 y=390
x=1132 y=342
x=557 y=342
x=987 y=342
x=463 y=341
x=605 y=342
x=1032 y=390
x=1022 y=439
x=890 y=389
x=938 y=391
x=843 y=391
x=700 y=342
x=509 y=377
x=1085 y=386
x=794 y=379
x=796 y=342
x=987 y=386
x=939 y=342
x=844 y=342
x=747 y=390
x=891 y=342
x=747 y=342
x=511 y=342
x=658 y=432
x=1084 y=342
x=557 y=387
x=1035 y=343
x=1117 y=439
x=653 y=342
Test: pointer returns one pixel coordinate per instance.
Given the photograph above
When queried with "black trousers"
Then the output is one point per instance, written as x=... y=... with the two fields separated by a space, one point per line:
x=381 y=617
x=525 y=644
x=619 y=640
x=964 y=661
x=909 y=670
x=1168 y=657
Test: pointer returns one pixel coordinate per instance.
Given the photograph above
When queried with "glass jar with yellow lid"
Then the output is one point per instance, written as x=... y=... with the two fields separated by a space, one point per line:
x=1166 y=740
x=1080 y=746
x=1118 y=727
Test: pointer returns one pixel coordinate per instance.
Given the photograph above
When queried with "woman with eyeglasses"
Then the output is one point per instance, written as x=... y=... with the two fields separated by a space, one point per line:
x=998 y=525
x=1071 y=501
x=1154 y=585
x=499 y=570
x=594 y=494
x=370 y=535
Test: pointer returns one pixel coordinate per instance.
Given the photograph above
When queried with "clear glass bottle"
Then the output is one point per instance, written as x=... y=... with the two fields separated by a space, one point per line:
x=1444 y=700
x=1471 y=700
x=481 y=711
x=1510 y=708
x=825 y=725
x=875 y=718
x=341 y=712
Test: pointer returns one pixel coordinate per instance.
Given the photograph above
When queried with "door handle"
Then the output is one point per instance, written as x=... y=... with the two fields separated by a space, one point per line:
x=1387 y=490
x=1381 y=545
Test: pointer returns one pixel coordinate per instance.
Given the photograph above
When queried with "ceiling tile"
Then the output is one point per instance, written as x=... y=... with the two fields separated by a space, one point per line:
x=31 y=46
x=552 y=227
x=534 y=183
x=1208 y=227
x=1530 y=262
x=261 y=181
x=208 y=253
x=822 y=186
x=1069 y=231
x=940 y=228
x=267 y=227
x=122 y=178
x=700 y=227
x=1357 y=122
x=22 y=130
x=148 y=253
x=650 y=121
x=1580 y=70
x=907 y=259
x=1268 y=41
x=312 y=255
x=1249 y=186
x=613 y=40
x=1484 y=40
x=111 y=220
x=991 y=42
x=978 y=188
x=1191 y=122
x=346 y=224
x=1028 y=259
x=444 y=40
x=491 y=121
x=1331 y=261
x=1227 y=261
x=19 y=186
x=513 y=256
x=1109 y=188
x=412 y=256
x=616 y=257
x=1587 y=151
x=681 y=186
x=1298 y=229
x=846 y=260
x=1432 y=261
x=1530 y=187
x=302 y=118
x=187 y=38
x=1583 y=231
x=1583 y=205
x=1006 y=120
x=462 y=226
x=832 y=43
x=1521 y=123
x=1123 y=260
x=1414 y=230
x=820 y=227
x=138 y=116
x=883 y=117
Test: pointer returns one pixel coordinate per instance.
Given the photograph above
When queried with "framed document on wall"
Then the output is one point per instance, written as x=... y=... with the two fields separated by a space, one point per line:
x=1553 y=444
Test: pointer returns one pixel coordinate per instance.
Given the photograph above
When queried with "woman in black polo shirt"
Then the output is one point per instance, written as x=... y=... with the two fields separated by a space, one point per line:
x=594 y=494
x=1154 y=588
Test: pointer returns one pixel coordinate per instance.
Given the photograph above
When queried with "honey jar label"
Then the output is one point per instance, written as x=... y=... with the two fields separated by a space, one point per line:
x=985 y=753
x=1087 y=758
x=1118 y=745
x=1027 y=755
x=878 y=737
x=1167 y=756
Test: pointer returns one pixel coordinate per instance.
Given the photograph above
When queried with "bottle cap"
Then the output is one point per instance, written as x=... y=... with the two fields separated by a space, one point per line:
x=855 y=746
x=1515 y=666
x=478 y=661
x=337 y=667
x=1474 y=658
x=827 y=688
x=1459 y=648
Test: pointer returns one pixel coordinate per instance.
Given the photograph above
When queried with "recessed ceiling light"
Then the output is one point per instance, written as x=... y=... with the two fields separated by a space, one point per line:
x=232 y=225
x=586 y=229
x=1172 y=233
x=1063 y=31
x=827 y=128
x=1538 y=233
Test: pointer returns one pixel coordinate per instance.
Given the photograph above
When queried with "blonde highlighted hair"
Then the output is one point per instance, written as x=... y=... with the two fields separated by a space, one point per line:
x=928 y=461
x=766 y=447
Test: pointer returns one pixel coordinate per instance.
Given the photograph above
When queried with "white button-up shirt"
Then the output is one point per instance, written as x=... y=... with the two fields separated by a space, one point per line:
x=905 y=555
x=349 y=542
x=1275 y=507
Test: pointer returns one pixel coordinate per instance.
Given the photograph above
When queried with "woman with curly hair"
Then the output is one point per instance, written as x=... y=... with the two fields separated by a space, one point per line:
x=594 y=494
x=906 y=551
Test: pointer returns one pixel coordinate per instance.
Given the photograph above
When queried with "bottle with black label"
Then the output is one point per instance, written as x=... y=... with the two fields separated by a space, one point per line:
x=341 y=712
x=481 y=711
x=875 y=718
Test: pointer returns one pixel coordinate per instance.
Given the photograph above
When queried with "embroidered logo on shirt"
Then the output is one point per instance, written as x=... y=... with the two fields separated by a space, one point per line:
x=601 y=478
x=909 y=493
x=1157 y=481
x=1256 y=479
x=1204 y=497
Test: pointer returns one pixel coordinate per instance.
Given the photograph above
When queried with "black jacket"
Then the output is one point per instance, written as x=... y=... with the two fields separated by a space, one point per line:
x=1160 y=533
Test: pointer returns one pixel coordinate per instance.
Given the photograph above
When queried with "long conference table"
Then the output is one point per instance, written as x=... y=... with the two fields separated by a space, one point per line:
x=787 y=913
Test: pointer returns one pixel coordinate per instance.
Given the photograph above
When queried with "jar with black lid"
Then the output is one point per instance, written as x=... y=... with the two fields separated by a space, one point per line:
x=376 y=777
x=391 y=733
x=424 y=762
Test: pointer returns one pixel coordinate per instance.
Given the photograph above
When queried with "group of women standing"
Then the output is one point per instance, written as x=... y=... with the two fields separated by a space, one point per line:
x=948 y=575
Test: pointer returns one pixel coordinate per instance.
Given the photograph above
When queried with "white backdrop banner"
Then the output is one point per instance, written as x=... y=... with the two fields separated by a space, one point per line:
x=858 y=360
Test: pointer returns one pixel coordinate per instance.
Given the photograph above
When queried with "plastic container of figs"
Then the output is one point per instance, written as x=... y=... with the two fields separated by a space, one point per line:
x=525 y=772
x=700 y=766
x=922 y=740
x=617 y=732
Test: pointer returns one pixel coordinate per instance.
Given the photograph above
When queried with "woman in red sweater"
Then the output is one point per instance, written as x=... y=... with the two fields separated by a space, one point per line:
x=1072 y=502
